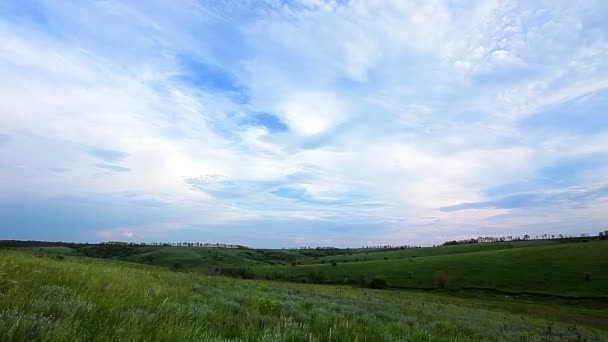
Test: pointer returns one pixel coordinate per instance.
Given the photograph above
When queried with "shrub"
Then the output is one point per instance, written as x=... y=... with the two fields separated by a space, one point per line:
x=333 y=263
x=378 y=283
x=267 y=306
x=587 y=277
x=440 y=279
x=385 y=258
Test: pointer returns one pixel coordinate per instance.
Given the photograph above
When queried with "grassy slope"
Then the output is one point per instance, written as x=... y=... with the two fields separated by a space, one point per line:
x=555 y=269
x=54 y=250
x=432 y=251
x=188 y=258
x=60 y=300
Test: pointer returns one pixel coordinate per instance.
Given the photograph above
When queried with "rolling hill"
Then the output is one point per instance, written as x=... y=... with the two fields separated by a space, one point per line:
x=570 y=269
x=44 y=298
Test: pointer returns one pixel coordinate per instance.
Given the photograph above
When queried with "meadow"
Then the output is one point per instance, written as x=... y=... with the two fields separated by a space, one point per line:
x=371 y=255
x=44 y=297
x=566 y=269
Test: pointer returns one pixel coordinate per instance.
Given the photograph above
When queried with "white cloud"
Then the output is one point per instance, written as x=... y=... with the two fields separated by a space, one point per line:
x=394 y=108
x=311 y=112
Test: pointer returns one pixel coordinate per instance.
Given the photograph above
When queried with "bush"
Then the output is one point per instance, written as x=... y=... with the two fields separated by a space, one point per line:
x=385 y=258
x=440 y=279
x=268 y=306
x=378 y=283
x=333 y=263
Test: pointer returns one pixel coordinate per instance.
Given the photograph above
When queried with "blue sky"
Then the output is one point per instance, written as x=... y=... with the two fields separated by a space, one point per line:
x=288 y=123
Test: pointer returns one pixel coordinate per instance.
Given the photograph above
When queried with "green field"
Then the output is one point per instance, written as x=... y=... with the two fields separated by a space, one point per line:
x=549 y=290
x=210 y=260
x=43 y=298
x=203 y=259
x=365 y=255
x=571 y=269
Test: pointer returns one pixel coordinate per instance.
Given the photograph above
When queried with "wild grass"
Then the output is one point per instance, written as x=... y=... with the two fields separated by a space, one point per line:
x=82 y=299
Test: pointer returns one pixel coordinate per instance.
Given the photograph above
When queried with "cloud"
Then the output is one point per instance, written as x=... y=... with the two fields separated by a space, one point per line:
x=4 y=139
x=108 y=155
x=112 y=167
x=277 y=121
x=572 y=197
x=311 y=112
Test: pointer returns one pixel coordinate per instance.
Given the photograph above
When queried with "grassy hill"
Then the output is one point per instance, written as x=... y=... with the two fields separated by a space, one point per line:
x=364 y=255
x=203 y=259
x=44 y=298
x=572 y=269
x=546 y=267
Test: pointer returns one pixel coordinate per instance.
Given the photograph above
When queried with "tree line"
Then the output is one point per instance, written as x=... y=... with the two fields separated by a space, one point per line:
x=488 y=239
x=36 y=243
x=176 y=244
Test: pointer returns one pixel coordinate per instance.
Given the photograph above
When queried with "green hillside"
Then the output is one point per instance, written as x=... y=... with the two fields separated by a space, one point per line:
x=203 y=259
x=43 y=298
x=363 y=255
x=571 y=269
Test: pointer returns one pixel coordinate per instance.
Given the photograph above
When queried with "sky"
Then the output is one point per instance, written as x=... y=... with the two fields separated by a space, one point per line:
x=302 y=123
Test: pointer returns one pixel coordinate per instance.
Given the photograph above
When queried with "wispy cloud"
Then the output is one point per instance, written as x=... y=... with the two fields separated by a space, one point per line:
x=112 y=167
x=108 y=155
x=280 y=120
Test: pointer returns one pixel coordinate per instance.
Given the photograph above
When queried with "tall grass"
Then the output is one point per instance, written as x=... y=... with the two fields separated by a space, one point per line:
x=78 y=299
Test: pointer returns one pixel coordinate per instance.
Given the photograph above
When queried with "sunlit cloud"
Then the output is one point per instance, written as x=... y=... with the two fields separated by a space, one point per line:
x=325 y=122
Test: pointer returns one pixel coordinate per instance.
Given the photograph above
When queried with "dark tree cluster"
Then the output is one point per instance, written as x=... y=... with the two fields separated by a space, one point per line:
x=177 y=244
x=525 y=237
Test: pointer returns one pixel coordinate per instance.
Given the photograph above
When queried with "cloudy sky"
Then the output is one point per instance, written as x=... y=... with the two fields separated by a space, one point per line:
x=288 y=123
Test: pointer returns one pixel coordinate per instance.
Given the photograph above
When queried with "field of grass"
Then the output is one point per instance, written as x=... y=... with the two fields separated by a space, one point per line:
x=571 y=269
x=43 y=298
x=202 y=259
x=363 y=255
